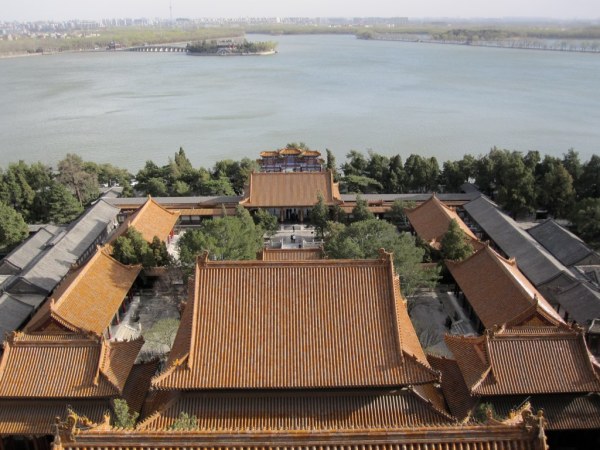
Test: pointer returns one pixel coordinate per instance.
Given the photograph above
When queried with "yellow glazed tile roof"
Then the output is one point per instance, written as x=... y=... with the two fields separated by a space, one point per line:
x=295 y=324
x=89 y=297
x=290 y=189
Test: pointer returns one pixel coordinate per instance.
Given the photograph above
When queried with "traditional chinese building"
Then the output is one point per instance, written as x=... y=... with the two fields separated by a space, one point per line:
x=548 y=366
x=431 y=220
x=495 y=292
x=291 y=160
x=150 y=219
x=290 y=196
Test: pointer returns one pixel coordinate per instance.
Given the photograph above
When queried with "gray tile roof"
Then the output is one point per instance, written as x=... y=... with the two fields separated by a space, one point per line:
x=581 y=301
x=68 y=247
x=565 y=286
x=534 y=261
x=563 y=244
x=174 y=201
x=45 y=259
x=412 y=197
x=29 y=250
x=15 y=309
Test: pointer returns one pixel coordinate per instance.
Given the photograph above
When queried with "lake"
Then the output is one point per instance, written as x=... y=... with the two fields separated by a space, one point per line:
x=335 y=92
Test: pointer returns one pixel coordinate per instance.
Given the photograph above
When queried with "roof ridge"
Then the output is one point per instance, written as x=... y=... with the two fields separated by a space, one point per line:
x=396 y=297
x=284 y=263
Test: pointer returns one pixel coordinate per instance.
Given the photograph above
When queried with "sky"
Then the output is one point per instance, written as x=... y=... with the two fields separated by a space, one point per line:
x=30 y=10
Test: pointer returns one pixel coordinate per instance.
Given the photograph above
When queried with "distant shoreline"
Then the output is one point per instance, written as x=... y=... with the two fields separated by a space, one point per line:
x=270 y=52
x=487 y=44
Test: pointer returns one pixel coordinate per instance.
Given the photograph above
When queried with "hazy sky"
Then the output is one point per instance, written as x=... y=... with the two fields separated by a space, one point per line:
x=24 y=10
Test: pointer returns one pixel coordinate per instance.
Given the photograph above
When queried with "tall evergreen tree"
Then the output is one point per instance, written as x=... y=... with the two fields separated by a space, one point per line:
x=319 y=215
x=361 y=211
x=455 y=243
x=13 y=228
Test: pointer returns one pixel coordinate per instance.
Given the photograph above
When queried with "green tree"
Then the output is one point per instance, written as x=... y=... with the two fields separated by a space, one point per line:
x=589 y=182
x=555 y=188
x=488 y=168
x=123 y=418
x=330 y=165
x=72 y=174
x=357 y=183
x=452 y=176
x=185 y=422
x=422 y=174
x=220 y=186
x=267 y=221
x=396 y=180
x=378 y=167
x=361 y=211
x=60 y=205
x=156 y=187
x=455 y=243
x=180 y=189
x=148 y=172
x=397 y=215
x=572 y=163
x=131 y=248
x=16 y=191
x=237 y=172
x=109 y=175
x=357 y=164
x=364 y=239
x=586 y=220
x=319 y=215
x=516 y=186
x=225 y=238
x=13 y=228
x=456 y=173
x=532 y=159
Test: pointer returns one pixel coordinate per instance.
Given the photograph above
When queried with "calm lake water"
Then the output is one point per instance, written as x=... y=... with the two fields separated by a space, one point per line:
x=333 y=92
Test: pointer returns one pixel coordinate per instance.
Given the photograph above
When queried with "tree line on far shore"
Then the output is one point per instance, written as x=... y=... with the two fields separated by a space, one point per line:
x=520 y=183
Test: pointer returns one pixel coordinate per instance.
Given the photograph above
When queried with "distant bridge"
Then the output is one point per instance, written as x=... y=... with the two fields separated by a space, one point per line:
x=157 y=48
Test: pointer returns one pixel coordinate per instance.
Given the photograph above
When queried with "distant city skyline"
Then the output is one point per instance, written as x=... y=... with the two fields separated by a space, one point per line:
x=32 y=10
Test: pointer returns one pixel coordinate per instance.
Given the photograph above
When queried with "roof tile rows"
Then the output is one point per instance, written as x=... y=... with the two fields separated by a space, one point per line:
x=535 y=262
x=564 y=245
x=37 y=417
x=300 y=189
x=62 y=366
x=297 y=411
x=506 y=363
x=295 y=324
x=548 y=274
x=89 y=298
x=268 y=254
x=39 y=264
x=497 y=291
x=151 y=220
x=431 y=220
